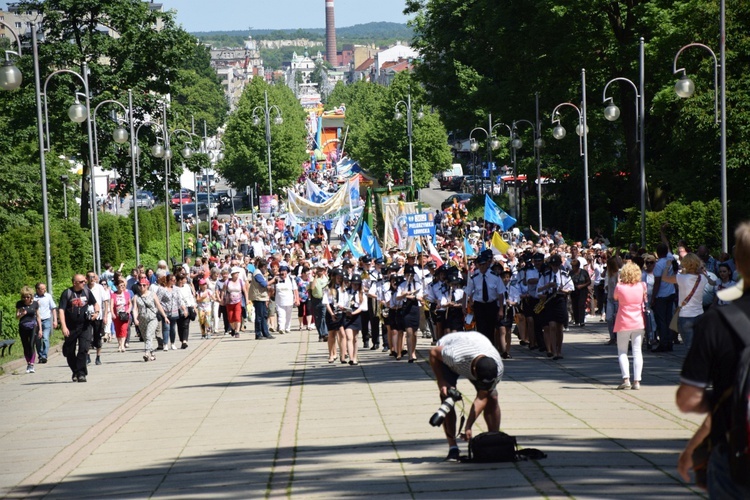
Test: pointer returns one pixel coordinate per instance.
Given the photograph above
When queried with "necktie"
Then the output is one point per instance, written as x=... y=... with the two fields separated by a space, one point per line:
x=485 y=292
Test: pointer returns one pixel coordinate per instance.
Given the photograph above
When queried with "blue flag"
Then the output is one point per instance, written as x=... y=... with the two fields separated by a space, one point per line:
x=468 y=249
x=496 y=215
x=370 y=243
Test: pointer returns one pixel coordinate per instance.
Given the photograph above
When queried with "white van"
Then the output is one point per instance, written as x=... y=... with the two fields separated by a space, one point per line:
x=446 y=178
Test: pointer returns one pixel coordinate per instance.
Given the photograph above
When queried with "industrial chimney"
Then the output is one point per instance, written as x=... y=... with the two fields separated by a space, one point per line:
x=330 y=34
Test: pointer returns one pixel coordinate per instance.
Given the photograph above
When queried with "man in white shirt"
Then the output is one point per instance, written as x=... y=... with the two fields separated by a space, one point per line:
x=471 y=355
x=259 y=248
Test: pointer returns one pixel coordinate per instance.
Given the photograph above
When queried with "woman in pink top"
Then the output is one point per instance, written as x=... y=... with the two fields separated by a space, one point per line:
x=630 y=294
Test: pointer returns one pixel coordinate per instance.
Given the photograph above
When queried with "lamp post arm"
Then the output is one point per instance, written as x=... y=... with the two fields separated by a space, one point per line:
x=676 y=70
x=93 y=119
x=637 y=101
x=16 y=37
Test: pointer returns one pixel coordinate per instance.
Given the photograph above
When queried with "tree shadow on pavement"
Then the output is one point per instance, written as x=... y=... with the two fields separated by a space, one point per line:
x=600 y=468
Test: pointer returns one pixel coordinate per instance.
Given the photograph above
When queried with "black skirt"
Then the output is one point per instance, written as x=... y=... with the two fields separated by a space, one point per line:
x=410 y=314
x=395 y=320
x=454 y=320
x=354 y=322
x=555 y=310
x=331 y=324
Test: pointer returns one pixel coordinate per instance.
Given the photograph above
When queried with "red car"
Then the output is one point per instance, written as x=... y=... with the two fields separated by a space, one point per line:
x=182 y=197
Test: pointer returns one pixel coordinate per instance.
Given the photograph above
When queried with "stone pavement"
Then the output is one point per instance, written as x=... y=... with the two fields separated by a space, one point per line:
x=240 y=418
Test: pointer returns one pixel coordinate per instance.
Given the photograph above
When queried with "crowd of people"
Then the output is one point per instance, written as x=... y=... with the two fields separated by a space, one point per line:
x=250 y=274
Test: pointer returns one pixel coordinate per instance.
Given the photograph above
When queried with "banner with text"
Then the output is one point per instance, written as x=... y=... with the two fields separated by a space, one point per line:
x=422 y=224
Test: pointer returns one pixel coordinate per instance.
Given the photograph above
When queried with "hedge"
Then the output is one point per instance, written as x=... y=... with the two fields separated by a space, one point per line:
x=71 y=252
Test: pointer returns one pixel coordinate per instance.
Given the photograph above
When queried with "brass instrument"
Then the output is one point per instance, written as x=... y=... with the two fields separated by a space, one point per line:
x=539 y=307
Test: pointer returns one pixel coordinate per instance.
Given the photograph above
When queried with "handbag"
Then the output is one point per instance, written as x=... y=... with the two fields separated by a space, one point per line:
x=191 y=313
x=673 y=324
x=123 y=316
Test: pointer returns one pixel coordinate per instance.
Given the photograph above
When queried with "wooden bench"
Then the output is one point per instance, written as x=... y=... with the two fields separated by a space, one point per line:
x=6 y=343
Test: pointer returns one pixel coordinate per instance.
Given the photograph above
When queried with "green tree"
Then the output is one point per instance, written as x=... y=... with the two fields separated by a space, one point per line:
x=246 y=154
x=483 y=56
x=383 y=148
x=123 y=49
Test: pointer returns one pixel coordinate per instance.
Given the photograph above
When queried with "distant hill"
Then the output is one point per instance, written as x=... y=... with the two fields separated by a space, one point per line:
x=381 y=33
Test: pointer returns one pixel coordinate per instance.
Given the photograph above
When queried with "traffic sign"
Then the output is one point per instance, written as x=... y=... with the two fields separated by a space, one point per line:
x=231 y=192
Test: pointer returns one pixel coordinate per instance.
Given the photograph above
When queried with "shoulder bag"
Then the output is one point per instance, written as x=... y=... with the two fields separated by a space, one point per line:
x=673 y=325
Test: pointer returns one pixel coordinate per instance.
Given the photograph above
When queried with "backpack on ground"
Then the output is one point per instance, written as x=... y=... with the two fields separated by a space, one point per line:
x=489 y=447
x=738 y=436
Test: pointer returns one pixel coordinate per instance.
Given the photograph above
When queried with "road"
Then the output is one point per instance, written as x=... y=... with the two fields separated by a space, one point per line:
x=433 y=195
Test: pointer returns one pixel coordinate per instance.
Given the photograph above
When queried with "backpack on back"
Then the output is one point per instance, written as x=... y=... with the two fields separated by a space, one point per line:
x=738 y=437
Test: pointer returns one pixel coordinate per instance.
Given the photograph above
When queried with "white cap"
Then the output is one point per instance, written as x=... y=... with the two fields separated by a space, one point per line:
x=732 y=293
x=235 y=270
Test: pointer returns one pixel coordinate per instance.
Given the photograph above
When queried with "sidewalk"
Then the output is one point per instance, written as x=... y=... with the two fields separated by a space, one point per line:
x=240 y=418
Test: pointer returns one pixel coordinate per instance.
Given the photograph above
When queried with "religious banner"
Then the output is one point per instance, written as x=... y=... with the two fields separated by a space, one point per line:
x=396 y=233
x=306 y=211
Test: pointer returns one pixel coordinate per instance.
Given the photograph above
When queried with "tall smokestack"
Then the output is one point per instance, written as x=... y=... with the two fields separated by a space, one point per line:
x=330 y=34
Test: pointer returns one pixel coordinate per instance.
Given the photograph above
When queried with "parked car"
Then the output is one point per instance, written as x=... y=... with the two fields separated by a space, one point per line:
x=446 y=178
x=213 y=199
x=183 y=197
x=456 y=183
x=463 y=199
x=224 y=200
x=188 y=210
x=144 y=200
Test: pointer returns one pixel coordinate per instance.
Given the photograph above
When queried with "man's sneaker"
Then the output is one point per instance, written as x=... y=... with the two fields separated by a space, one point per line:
x=453 y=455
x=386 y=348
x=375 y=347
x=82 y=378
x=75 y=378
x=88 y=359
x=42 y=361
x=29 y=368
x=98 y=360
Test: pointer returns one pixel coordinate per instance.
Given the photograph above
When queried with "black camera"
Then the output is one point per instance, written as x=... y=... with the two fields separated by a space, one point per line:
x=437 y=419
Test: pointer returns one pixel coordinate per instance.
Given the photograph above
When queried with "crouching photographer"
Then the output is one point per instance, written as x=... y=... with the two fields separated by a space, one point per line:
x=470 y=355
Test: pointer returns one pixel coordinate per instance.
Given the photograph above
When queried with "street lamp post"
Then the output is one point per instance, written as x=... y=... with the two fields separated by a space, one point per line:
x=64 y=180
x=278 y=120
x=516 y=143
x=409 y=131
x=612 y=113
x=492 y=143
x=78 y=113
x=582 y=129
x=135 y=152
x=186 y=153
x=685 y=88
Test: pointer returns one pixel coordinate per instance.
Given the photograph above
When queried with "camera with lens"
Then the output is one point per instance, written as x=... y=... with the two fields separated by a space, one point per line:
x=449 y=402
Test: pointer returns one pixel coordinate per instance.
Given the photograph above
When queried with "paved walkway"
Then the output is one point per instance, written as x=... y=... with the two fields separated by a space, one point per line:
x=240 y=418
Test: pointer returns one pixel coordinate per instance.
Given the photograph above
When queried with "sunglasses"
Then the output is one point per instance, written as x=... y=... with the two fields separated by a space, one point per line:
x=81 y=281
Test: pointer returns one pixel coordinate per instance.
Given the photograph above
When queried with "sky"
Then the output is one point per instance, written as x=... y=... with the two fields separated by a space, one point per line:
x=215 y=15
x=224 y=15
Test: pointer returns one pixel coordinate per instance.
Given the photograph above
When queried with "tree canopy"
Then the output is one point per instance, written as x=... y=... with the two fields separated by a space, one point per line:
x=484 y=57
x=380 y=142
x=246 y=153
x=120 y=43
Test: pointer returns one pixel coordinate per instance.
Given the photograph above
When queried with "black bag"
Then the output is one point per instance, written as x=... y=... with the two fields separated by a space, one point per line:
x=191 y=313
x=123 y=316
x=738 y=437
x=492 y=447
